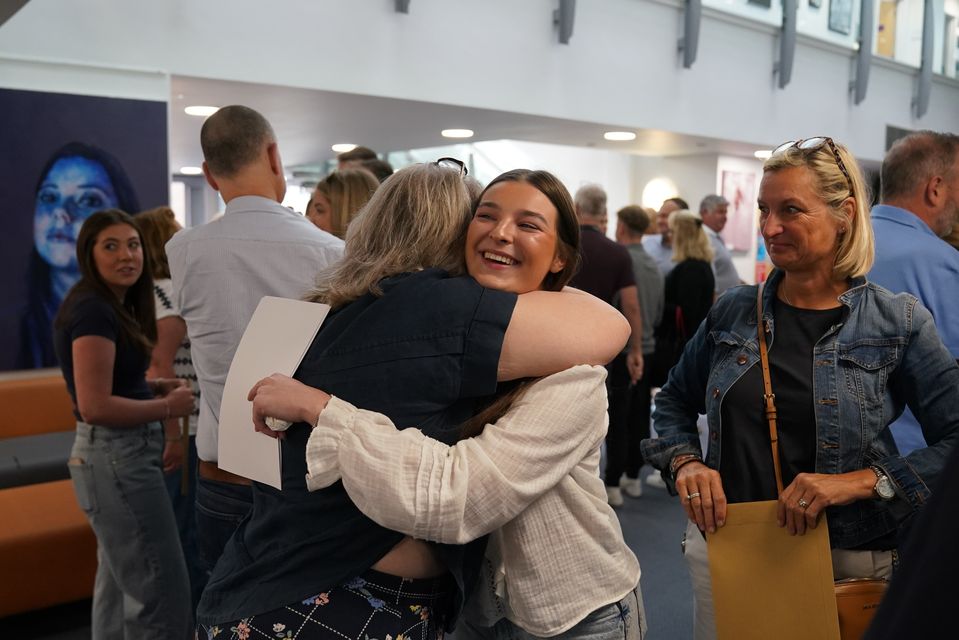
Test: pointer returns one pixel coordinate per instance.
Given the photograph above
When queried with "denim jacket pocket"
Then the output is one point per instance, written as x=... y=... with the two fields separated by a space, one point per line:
x=864 y=369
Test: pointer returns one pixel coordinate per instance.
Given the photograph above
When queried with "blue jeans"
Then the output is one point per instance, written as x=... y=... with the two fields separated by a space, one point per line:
x=141 y=590
x=184 y=508
x=623 y=620
x=220 y=506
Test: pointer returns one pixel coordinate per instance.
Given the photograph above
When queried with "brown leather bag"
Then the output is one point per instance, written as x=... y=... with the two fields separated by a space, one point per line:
x=856 y=598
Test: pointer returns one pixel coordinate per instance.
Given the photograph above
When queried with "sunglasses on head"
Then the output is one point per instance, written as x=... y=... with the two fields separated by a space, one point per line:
x=452 y=163
x=809 y=145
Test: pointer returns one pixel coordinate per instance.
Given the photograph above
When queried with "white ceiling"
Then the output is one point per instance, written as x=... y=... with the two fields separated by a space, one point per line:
x=307 y=122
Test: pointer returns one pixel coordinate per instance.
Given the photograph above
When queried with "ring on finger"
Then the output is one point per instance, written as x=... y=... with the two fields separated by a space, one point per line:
x=802 y=503
x=690 y=496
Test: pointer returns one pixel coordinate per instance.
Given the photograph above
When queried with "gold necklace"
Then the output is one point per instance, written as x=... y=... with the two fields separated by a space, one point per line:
x=785 y=297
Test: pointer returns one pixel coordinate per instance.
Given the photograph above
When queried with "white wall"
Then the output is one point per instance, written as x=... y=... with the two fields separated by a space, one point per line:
x=621 y=66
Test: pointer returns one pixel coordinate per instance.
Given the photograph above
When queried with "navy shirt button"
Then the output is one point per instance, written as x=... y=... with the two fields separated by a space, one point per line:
x=741 y=359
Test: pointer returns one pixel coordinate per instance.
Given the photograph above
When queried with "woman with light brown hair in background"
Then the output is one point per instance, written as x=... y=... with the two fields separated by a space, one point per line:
x=339 y=197
x=171 y=358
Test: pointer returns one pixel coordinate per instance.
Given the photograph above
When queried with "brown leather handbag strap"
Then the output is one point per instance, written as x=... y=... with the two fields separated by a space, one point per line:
x=769 y=398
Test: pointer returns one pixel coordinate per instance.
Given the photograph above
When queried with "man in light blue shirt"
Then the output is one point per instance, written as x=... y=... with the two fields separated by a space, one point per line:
x=220 y=271
x=920 y=204
x=713 y=210
x=660 y=246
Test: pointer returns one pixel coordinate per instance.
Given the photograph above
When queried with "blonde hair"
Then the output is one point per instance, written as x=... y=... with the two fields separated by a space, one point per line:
x=347 y=190
x=689 y=239
x=416 y=220
x=157 y=226
x=857 y=246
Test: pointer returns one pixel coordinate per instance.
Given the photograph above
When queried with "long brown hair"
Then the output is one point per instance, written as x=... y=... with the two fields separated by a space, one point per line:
x=567 y=248
x=157 y=226
x=136 y=313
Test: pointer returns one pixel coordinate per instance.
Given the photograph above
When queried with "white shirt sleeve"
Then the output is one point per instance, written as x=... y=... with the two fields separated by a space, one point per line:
x=410 y=483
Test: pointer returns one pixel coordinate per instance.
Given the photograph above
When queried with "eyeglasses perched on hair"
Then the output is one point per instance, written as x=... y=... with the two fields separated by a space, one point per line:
x=454 y=164
x=814 y=144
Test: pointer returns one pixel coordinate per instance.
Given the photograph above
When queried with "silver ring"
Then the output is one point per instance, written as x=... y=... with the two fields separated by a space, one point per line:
x=690 y=496
x=802 y=503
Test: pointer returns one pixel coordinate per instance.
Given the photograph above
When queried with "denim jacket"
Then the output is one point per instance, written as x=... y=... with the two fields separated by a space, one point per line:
x=885 y=354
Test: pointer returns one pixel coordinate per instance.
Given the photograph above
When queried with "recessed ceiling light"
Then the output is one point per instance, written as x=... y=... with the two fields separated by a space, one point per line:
x=762 y=154
x=200 y=110
x=191 y=171
x=343 y=147
x=620 y=136
x=457 y=133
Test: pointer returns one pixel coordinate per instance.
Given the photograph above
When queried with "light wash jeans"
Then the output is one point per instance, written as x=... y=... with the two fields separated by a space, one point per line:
x=141 y=591
x=623 y=620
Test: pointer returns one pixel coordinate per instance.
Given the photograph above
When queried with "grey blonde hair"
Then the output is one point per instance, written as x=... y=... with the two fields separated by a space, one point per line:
x=857 y=246
x=689 y=240
x=416 y=220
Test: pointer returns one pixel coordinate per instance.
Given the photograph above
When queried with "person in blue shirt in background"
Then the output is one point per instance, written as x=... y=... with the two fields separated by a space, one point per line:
x=919 y=205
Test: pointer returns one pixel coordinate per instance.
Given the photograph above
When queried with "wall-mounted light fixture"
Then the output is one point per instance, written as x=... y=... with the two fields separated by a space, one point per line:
x=564 y=18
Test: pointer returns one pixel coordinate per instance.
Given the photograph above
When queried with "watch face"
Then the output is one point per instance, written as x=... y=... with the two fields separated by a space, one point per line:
x=884 y=488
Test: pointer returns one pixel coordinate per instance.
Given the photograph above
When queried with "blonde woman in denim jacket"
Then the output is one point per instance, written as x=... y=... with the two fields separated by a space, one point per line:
x=846 y=357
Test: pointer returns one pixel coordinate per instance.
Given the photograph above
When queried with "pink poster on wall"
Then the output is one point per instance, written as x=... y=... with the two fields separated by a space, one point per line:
x=739 y=188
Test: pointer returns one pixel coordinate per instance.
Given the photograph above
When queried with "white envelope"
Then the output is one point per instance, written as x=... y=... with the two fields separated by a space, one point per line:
x=275 y=341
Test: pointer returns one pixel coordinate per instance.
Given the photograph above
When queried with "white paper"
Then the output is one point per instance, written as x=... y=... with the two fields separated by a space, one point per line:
x=275 y=341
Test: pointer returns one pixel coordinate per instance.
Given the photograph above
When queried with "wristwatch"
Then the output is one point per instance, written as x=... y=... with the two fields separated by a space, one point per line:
x=883 y=488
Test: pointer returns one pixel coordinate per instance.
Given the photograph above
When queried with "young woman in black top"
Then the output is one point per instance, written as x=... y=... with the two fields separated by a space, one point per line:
x=103 y=335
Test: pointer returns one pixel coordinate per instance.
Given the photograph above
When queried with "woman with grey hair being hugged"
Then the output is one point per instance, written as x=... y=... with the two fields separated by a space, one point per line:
x=845 y=358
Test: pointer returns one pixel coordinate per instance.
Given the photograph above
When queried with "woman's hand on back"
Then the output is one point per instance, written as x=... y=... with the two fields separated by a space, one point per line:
x=281 y=397
x=701 y=492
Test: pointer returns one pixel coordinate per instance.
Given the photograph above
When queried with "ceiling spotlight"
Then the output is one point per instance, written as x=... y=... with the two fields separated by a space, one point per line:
x=200 y=110
x=763 y=154
x=457 y=133
x=620 y=136
x=343 y=147
x=191 y=171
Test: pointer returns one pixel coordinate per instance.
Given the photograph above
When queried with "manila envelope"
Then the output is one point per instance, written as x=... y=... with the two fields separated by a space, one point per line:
x=768 y=584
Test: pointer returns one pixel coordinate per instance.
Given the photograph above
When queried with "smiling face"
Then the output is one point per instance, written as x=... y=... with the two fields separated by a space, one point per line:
x=511 y=243
x=118 y=257
x=71 y=192
x=801 y=232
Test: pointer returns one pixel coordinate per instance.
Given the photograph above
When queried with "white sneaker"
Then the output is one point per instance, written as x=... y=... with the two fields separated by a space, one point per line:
x=655 y=480
x=614 y=496
x=633 y=487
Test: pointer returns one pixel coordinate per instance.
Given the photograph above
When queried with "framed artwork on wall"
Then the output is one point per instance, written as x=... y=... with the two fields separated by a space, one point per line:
x=840 y=16
x=65 y=156
x=739 y=188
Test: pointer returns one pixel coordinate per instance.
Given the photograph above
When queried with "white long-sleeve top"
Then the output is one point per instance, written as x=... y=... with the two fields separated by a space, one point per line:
x=556 y=550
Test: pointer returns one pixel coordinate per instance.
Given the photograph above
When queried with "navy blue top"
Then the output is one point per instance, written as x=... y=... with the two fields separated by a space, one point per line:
x=91 y=315
x=422 y=354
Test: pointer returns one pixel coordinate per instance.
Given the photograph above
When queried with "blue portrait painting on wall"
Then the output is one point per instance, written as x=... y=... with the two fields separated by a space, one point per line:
x=78 y=180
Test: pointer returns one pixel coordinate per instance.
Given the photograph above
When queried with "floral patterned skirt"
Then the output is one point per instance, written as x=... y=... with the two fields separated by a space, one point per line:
x=374 y=606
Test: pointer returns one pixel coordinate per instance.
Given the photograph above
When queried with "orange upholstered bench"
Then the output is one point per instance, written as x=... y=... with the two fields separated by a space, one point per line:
x=47 y=549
